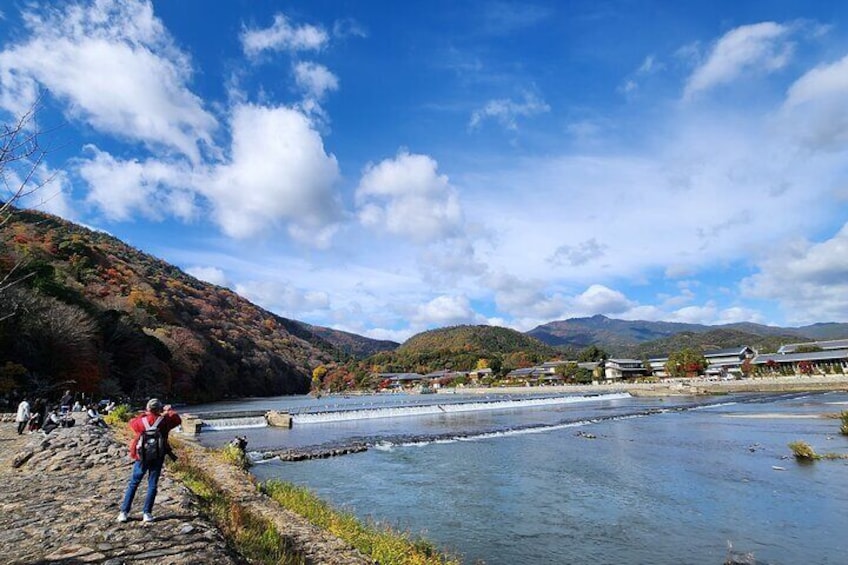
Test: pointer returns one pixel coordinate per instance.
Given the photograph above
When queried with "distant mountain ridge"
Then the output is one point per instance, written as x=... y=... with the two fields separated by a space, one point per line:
x=351 y=343
x=626 y=335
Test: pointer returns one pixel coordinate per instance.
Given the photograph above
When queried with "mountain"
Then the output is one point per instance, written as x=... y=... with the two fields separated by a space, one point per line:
x=352 y=344
x=720 y=338
x=489 y=340
x=623 y=336
x=94 y=314
x=607 y=333
x=462 y=348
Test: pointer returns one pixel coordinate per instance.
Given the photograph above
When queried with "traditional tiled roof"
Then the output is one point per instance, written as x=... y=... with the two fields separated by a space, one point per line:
x=826 y=345
x=738 y=350
x=832 y=354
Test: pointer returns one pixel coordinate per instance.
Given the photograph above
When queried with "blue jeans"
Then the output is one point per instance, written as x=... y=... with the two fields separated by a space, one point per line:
x=153 y=470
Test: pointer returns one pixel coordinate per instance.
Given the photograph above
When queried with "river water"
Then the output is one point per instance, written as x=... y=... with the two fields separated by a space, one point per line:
x=604 y=479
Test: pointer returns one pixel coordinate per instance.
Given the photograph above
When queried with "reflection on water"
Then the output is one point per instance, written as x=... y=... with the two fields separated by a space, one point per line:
x=606 y=481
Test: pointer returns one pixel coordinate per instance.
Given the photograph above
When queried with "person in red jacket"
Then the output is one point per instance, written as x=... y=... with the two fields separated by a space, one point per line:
x=164 y=419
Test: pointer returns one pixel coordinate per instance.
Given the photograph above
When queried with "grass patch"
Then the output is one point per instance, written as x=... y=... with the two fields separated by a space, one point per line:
x=253 y=537
x=383 y=544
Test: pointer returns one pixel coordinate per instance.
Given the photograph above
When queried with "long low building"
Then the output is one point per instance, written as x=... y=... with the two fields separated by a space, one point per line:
x=820 y=362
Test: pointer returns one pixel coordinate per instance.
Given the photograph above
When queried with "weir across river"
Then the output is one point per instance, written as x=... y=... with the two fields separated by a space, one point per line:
x=193 y=424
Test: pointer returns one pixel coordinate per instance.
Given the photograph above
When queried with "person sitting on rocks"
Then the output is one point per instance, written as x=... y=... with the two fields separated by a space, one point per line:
x=36 y=419
x=94 y=417
x=52 y=422
x=239 y=442
x=157 y=418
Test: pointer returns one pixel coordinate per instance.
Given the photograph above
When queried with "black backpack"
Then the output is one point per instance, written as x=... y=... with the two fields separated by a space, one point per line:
x=151 y=443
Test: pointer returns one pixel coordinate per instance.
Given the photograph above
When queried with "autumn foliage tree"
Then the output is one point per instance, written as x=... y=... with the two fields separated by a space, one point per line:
x=686 y=363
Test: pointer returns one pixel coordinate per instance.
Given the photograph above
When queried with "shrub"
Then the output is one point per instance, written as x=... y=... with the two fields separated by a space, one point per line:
x=844 y=427
x=121 y=414
x=803 y=451
x=235 y=456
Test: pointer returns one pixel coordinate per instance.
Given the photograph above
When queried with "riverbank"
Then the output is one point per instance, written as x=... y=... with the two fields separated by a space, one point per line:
x=60 y=495
x=685 y=387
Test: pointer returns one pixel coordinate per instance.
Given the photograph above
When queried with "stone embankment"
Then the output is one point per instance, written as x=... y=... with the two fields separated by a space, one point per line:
x=60 y=499
x=60 y=496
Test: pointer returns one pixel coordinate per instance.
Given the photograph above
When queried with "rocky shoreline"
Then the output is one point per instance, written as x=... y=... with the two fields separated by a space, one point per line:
x=60 y=495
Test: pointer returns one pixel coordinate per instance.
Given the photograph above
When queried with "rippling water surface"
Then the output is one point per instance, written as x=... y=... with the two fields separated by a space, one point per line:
x=590 y=480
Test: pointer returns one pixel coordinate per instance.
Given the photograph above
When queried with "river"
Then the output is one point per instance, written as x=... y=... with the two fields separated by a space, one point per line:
x=602 y=479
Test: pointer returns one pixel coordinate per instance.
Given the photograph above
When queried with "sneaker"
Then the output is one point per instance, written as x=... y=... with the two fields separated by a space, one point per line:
x=122 y=517
x=147 y=517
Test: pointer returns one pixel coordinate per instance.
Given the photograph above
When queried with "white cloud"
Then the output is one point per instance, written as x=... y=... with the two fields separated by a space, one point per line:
x=47 y=190
x=808 y=280
x=506 y=111
x=212 y=275
x=277 y=172
x=283 y=36
x=599 y=299
x=693 y=314
x=815 y=107
x=348 y=27
x=446 y=310
x=314 y=79
x=738 y=314
x=756 y=47
x=406 y=196
x=525 y=298
x=116 y=67
x=580 y=254
x=283 y=298
x=122 y=188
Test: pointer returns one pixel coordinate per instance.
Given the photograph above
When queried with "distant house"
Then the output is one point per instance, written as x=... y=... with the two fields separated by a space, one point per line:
x=402 y=380
x=658 y=366
x=728 y=361
x=719 y=361
x=478 y=374
x=821 y=362
x=447 y=373
x=616 y=369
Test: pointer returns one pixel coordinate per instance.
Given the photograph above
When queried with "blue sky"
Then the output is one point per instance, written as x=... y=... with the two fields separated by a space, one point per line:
x=386 y=167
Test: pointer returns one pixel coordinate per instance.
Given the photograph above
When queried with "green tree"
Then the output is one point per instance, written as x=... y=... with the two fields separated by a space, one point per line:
x=567 y=371
x=592 y=353
x=686 y=363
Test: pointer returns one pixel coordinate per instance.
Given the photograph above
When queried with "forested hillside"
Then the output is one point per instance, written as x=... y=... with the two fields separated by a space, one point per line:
x=711 y=340
x=92 y=312
x=462 y=348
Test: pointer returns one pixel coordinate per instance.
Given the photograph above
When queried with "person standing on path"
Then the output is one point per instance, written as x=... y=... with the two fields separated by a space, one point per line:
x=156 y=418
x=22 y=417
